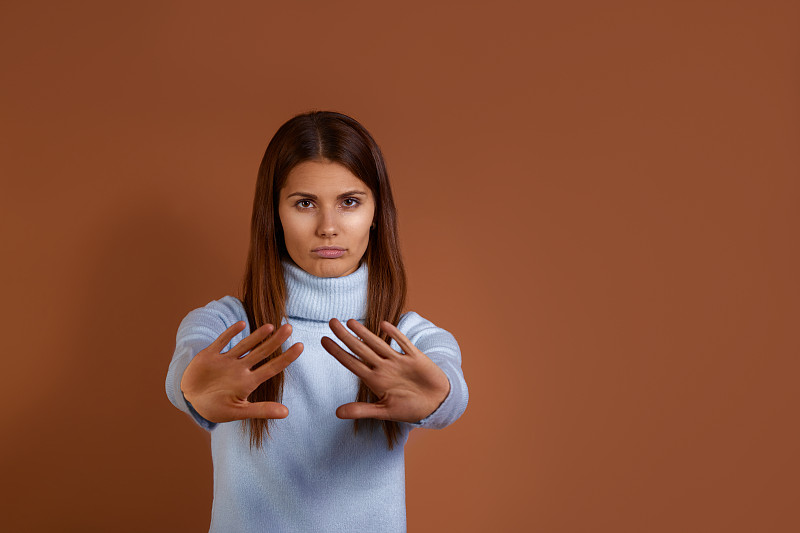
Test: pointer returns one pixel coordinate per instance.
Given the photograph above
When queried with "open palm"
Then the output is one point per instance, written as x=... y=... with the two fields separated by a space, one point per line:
x=218 y=384
x=409 y=386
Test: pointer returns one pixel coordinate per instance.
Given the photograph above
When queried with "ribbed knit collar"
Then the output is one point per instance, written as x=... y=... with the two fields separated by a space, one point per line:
x=314 y=298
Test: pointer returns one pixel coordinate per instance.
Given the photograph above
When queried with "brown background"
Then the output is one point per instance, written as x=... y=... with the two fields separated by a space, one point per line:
x=598 y=199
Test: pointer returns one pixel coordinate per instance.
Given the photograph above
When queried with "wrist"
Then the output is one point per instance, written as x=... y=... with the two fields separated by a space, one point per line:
x=443 y=391
x=187 y=395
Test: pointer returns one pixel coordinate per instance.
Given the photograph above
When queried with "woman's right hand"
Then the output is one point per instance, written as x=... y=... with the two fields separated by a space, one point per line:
x=218 y=384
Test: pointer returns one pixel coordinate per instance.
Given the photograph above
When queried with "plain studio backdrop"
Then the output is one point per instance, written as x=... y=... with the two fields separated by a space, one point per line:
x=598 y=199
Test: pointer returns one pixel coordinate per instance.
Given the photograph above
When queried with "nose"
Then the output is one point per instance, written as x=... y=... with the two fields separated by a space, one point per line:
x=327 y=225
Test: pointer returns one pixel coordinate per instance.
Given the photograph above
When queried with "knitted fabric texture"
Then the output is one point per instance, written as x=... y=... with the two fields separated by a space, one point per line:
x=312 y=472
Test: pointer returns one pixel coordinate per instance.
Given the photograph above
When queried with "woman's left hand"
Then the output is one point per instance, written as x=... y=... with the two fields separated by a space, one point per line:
x=409 y=386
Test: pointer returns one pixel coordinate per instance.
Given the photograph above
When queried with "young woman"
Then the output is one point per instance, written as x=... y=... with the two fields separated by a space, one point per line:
x=307 y=433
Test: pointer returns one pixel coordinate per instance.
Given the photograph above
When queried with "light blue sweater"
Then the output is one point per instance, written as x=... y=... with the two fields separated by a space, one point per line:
x=312 y=473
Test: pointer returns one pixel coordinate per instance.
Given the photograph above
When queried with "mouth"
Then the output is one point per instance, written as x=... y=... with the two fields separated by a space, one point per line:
x=329 y=252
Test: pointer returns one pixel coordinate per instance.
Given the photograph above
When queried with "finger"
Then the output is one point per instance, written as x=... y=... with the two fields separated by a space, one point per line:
x=264 y=410
x=377 y=344
x=362 y=410
x=351 y=341
x=226 y=336
x=405 y=344
x=266 y=347
x=251 y=340
x=350 y=362
x=276 y=365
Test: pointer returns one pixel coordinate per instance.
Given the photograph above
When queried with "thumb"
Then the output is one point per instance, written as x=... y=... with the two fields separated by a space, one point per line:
x=362 y=410
x=265 y=410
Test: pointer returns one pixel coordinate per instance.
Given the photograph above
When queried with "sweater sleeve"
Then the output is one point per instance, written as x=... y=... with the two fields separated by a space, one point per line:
x=441 y=347
x=196 y=332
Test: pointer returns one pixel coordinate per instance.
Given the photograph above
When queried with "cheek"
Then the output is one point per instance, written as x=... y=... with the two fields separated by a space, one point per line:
x=296 y=236
x=291 y=231
x=364 y=220
x=359 y=225
x=291 y=222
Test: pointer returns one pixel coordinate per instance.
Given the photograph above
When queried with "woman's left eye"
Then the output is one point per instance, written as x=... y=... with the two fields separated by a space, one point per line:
x=356 y=202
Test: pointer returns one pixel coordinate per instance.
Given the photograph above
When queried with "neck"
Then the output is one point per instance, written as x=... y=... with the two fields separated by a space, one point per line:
x=320 y=299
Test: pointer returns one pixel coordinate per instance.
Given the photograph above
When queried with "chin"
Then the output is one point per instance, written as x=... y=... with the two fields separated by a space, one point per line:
x=332 y=268
x=322 y=268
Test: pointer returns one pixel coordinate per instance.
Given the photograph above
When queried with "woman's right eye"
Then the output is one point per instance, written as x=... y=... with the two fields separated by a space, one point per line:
x=301 y=201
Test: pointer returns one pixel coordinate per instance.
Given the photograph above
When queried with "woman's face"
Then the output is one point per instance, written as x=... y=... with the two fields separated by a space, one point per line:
x=323 y=204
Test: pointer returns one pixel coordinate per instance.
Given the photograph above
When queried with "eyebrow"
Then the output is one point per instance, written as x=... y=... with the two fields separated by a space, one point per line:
x=314 y=196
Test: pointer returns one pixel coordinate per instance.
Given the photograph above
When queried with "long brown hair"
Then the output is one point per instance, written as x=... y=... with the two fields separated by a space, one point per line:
x=314 y=136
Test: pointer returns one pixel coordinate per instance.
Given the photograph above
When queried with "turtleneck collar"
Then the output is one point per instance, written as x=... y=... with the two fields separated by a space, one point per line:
x=314 y=298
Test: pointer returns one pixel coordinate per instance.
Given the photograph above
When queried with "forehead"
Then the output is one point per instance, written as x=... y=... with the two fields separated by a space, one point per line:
x=320 y=178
